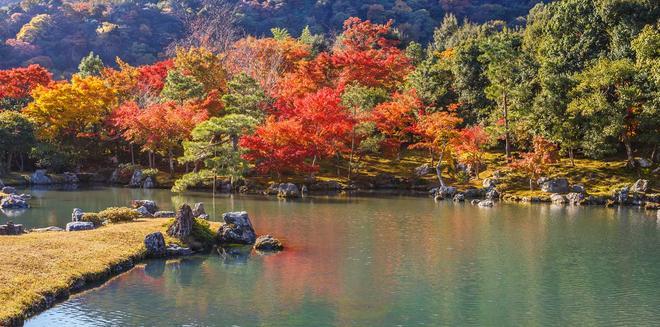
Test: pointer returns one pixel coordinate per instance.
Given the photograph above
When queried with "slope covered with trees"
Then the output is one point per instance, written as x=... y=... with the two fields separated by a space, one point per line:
x=580 y=80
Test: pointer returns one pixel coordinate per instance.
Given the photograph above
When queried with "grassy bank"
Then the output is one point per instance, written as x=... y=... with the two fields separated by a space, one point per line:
x=37 y=268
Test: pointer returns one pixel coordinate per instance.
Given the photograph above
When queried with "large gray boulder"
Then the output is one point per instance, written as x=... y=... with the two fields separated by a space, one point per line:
x=183 y=224
x=443 y=192
x=267 y=243
x=288 y=190
x=13 y=201
x=492 y=194
x=11 y=229
x=199 y=212
x=148 y=183
x=136 y=179
x=458 y=197
x=77 y=214
x=75 y=226
x=144 y=212
x=155 y=245
x=9 y=190
x=640 y=186
x=556 y=185
x=150 y=205
x=237 y=229
x=39 y=177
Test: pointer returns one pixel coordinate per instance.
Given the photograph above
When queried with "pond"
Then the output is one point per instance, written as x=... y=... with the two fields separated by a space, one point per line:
x=382 y=261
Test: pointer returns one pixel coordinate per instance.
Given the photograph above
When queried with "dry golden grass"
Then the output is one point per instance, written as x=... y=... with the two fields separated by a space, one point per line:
x=38 y=264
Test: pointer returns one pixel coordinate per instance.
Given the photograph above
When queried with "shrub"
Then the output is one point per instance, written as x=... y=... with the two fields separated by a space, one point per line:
x=150 y=172
x=92 y=217
x=115 y=215
x=201 y=231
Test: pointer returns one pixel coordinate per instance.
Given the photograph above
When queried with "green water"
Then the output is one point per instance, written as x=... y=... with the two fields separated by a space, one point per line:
x=386 y=261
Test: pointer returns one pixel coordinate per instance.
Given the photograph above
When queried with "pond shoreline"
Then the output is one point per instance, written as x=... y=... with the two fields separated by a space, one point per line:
x=101 y=254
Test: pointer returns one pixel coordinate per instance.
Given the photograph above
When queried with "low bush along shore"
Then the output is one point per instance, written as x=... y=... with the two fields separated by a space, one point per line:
x=37 y=267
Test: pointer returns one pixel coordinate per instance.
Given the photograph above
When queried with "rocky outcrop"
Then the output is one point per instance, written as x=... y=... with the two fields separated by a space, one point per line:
x=13 y=201
x=237 y=229
x=77 y=214
x=267 y=243
x=75 y=226
x=183 y=224
x=39 y=177
x=443 y=192
x=9 y=190
x=458 y=197
x=640 y=186
x=164 y=214
x=199 y=212
x=11 y=229
x=150 y=205
x=288 y=190
x=556 y=185
x=492 y=194
x=155 y=245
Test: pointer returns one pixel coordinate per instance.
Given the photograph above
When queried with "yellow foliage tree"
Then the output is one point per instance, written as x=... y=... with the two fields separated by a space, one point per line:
x=204 y=66
x=71 y=109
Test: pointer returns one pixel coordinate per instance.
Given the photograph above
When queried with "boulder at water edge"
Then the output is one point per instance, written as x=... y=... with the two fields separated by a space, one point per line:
x=557 y=185
x=492 y=194
x=144 y=212
x=147 y=204
x=575 y=198
x=155 y=245
x=13 y=201
x=9 y=190
x=237 y=229
x=558 y=199
x=199 y=212
x=268 y=243
x=136 y=179
x=78 y=226
x=148 y=183
x=77 y=214
x=485 y=204
x=11 y=229
x=40 y=178
x=174 y=250
x=459 y=197
x=288 y=190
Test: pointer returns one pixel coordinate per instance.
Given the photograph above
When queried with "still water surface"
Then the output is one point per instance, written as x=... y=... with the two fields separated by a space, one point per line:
x=383 y=261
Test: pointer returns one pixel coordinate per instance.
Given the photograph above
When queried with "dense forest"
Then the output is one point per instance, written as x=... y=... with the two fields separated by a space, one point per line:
x=579 y=79
x=57 y=34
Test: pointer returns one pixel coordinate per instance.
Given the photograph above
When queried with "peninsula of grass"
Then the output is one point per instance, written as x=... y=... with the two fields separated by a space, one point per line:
x=39 y=269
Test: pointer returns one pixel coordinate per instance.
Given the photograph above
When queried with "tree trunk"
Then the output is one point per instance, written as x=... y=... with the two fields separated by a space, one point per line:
x=10 y=157
x=629 y=151
x=531 y=184
x=350 y=158
x=438 y=169
x=22 y=163
x=507 y=148
x=571 y=155
x=171 y=158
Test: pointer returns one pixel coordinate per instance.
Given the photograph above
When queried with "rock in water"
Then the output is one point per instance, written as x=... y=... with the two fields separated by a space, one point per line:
x=492 y=194
x=79 y=225
x=40 y=178
x=558 y=199
x=147 y=204
x=268 y=243
x=155 y=244
x=77 y=214
x=485 y=204
x=459 y=197
x=558 y=185
x=237 y=229
x=11 y=229
x=575 y=198
x=136 y=179
x=199 y=212
x=13 y=202
x=288 y=190
x=9 y=190
x=182 y=226
x=174 y=250
x=640 y=186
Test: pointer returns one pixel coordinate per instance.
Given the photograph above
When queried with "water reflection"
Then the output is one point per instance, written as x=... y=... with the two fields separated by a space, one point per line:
x=398 y=261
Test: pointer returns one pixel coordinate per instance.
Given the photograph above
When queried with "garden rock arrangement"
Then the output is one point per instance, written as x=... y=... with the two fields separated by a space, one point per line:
x=148 y=205
x=39 y=177
x=155 y=245
x=13 y=201
x=237 y=229
x=11 y=229
x=77 y=215
x=199 y=212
